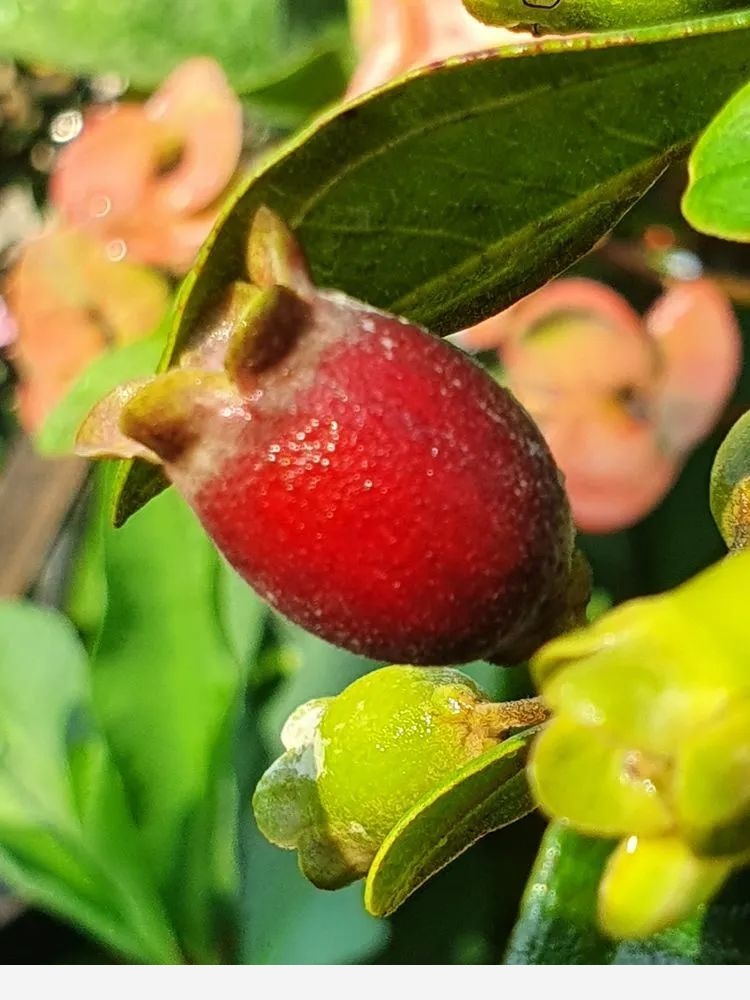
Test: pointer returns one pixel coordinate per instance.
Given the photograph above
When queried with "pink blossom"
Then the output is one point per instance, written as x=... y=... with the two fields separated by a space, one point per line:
x=621 y=399
x=145 y=178
x=70 y=302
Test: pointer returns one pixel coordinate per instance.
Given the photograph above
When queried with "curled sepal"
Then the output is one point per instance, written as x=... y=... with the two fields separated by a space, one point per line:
x=232 y=311
x=487 y=794
x=274 y=257
x=267 y=333
x=649 y=885
x=100 y=434
x=166 y=415
x=730 y=486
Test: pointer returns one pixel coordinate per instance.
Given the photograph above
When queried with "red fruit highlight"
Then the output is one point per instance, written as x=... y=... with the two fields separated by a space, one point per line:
x=369 y=480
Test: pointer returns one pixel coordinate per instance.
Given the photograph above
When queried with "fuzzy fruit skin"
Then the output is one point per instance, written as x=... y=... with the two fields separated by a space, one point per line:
x=386 y=494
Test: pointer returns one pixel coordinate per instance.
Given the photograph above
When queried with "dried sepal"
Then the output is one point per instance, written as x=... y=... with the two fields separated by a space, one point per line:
x=274 y=257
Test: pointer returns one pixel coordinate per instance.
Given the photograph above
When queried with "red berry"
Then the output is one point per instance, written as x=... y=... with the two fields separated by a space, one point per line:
x=366 y=478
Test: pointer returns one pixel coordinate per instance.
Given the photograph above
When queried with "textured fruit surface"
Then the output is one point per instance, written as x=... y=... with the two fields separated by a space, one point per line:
x=400 y=504
x=366 y=478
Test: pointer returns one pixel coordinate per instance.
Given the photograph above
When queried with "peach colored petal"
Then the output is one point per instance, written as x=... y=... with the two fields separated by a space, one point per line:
x=8 y=325
x=146 y=178
x=394 y=36
x=615 y=472
x=197 y=103
x=70 y=303
x=100 y=176
x=581 y=355
x=565 y=295
x=699 y=340
x=578 y=358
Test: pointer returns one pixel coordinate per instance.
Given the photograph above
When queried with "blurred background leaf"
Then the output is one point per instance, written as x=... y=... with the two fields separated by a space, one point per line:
x=167 y=693
x=717 y=200
x=287 y=921
x=257 y=42
x=67 y=840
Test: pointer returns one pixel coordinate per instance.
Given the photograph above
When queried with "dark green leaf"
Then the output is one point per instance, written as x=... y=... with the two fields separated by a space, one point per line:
x=166 y=684
x=717 y=200
x=450 y=194
x=67 y=840
x=485 y=795
x=557 y=923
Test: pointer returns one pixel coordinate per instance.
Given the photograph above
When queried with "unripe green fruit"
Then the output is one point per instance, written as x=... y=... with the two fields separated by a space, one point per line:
x=592 y=15
x=357 y=763
x=388 y=740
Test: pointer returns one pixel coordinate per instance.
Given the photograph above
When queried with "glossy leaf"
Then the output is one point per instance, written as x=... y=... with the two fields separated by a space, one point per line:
x=166 y=684
x=58 y=432
x=67 y=840
x=593 y=15
x=423 y=200
x=718 y=198
x=252 y=39
x=488 y=793
x=558 y=920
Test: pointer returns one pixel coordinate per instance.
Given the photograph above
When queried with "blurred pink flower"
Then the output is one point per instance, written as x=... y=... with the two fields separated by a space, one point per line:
x=621 y=400
x=145 y=178
x=394 y=36
x=70 y=302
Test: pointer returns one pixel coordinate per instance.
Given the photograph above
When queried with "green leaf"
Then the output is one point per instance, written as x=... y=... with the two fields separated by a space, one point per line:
x=487 y=794
x=558 y=924
x=166 y=684
x=254 y=40
x=243 y=615
x=58 y=432
x=592 y=15
x=435 y=197
x=67 y=840
x=717 y=200
x=318 y=79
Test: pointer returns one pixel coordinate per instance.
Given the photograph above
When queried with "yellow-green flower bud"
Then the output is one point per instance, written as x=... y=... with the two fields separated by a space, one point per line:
x=650 y=742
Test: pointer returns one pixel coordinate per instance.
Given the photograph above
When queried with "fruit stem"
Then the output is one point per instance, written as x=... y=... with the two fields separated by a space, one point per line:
x=504 y=717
